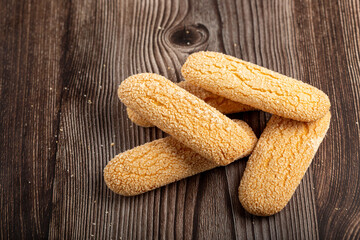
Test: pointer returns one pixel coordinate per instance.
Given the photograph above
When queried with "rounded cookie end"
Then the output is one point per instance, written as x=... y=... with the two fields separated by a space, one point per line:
x=189 y=68
x=257 y=204
x=252 y=139
x=319 y=110
x=138 y=119
x=116 y=182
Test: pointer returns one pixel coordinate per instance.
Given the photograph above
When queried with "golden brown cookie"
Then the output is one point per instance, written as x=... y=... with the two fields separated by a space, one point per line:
x=278 y=163
x=222 y=104
x=255 y=86
x=156 y=164
x=187 y=118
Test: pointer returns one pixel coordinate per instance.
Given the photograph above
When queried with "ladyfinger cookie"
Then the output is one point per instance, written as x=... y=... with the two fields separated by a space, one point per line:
x=187 y=118
x=156 y=164
x=224 y=105
x=255 y=86
x=278 y=163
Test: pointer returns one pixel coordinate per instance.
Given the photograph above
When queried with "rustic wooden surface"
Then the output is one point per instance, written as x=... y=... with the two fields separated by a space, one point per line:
x=61 y=121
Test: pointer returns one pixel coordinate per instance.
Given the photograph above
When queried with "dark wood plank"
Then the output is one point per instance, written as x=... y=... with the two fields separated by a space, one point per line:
x=30 y=90
x=336 y=174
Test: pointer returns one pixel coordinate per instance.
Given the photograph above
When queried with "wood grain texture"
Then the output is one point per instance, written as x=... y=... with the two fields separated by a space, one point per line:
x=337 y=172
x=61 y=121
x=30 y=94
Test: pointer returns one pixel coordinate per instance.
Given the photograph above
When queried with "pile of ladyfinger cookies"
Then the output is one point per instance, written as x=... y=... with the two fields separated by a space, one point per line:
x=202 y=137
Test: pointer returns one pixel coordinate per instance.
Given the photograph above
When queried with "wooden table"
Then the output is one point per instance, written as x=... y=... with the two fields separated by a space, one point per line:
x=61 y=120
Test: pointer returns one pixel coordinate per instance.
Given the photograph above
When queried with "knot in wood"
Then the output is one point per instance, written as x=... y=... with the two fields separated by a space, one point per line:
x=188 y=37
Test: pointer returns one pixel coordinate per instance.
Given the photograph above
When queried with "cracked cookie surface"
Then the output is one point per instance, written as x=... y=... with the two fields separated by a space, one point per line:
x=184 y=116
x=278 y=163
x=224 y=105
x=255 y=86
x=156 y=164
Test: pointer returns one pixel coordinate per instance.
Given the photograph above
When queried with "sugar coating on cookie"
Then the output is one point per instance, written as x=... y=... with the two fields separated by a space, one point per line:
x=255 y=86
x=156 y=164
x=184 y=116
x=222 y=104
x=278 y=163
x=138 y=119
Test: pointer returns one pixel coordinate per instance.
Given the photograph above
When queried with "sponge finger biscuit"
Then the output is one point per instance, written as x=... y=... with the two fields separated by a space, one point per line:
x=255 y=86
x=278 y=163
x=222 y=104
x=187 y=118
x=156 y=164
